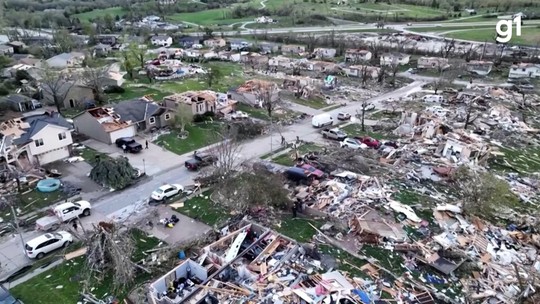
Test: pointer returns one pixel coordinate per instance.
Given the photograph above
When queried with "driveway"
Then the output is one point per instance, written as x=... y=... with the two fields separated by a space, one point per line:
x=153 y=160
x=76 y=175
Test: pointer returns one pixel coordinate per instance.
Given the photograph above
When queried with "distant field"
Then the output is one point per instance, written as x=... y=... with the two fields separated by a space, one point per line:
x=113 y=11
x=446 y=29
x=529 y=35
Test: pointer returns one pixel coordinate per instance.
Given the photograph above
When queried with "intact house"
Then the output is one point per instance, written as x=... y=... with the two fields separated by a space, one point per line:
x=188 y=41
x=200 y=102
x=359 y=70
x=146 y=114
x=35 y=140
x=357 y=55
x=524 y=70
x=239 y=44
x=66 y=60
x=69 y=94
x=432 y=63
x=21 y=103
x=161 y=40
x=215 y=42
x=481 y=68
x=324 y=52
x=6 y=49
x=395 y=58
x=292 y=49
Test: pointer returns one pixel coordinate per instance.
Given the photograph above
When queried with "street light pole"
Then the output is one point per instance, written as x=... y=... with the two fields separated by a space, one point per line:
x=17 y=225
x=144 y=166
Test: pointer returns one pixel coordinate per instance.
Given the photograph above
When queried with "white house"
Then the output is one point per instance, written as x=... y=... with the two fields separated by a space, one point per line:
x=432 y=63
x=356 y=55
x=161 y=40
x=359 y=70
x=280 y=61
x=395 y=58
x=66 y=60
x=325 y=52
x=37 y=139
x=524 y=70
x=264 y=19
x=6 y=49
x=239 y=44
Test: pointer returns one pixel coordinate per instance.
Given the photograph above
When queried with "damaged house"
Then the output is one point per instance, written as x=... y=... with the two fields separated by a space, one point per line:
x=200 y=102
x=358 y=70
x=357 y=55
x=433 y=63
x=481 y=68
x=524 y=70
x=35 y=140
x=249 y=92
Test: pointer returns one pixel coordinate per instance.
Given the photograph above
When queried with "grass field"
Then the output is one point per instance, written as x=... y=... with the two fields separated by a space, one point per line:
x=203 y=209
x=529 y=35
x=200 y=135
x=207 y=17
x=113 y=11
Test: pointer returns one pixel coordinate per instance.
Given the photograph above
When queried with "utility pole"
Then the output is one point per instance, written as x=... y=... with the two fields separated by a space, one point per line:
x=15 y=219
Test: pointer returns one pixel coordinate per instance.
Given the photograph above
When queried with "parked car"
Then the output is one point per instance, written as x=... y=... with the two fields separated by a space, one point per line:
x=352 y=144
x=312 y=171
x=239 y=115
x=200 y=160
x=343 y=116
x=166 y=191
x=131 y=145
x=43 y=244
x=322 y=120
x=7 y=298
x=370 y=142
x=334 y=133
x=297 y=175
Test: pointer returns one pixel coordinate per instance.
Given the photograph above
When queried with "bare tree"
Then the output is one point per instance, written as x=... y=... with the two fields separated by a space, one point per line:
x=267 y=93
x=227 y=151
x=483 y=194
x=182 y=118
x=394 y=68
x=63 y=40
x=375 y=48
x=471 y=105
x=382 y=74
x=55 y=85
x=448 y=48
x=93 y=78
x=364 y=74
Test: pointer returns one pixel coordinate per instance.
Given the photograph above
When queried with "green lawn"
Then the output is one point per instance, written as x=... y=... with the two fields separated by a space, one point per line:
x=206 y=17
x=529 y=35
x=315 y=103
x=89 y=155
x=113 y=11
x=200 y=135
x=383 y=114
x=203 y=209
x=526 y=160
x=61 y=284
x=298 y=228
x=447 y=28
x=138 y=92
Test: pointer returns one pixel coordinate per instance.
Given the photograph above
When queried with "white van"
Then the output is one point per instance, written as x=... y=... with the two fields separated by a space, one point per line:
x=322 y=120
x=433 y=98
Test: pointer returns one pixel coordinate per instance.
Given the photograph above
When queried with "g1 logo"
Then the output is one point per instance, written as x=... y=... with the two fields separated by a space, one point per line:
x=506 y=35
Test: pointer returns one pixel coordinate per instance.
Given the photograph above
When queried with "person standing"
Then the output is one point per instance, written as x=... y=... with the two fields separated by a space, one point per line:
x=124 y=148
x=75 y=226
x=146 y=144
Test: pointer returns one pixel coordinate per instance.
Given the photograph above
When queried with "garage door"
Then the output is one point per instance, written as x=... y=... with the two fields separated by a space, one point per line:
x=126 y=132
x=53 y=155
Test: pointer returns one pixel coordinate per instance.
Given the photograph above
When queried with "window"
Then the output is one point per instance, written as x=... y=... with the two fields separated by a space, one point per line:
x=38 y=142
x=62 y=136
x=152 y=120
x=167 y=116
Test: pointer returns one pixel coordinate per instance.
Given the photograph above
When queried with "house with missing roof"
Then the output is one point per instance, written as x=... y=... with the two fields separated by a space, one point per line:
x=161 y=40
x=35 y=140
x=66 y=60
x=200 y=102
x=125 y=119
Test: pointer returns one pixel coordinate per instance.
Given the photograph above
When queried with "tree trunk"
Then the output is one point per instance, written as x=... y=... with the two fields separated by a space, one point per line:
x=363 y=116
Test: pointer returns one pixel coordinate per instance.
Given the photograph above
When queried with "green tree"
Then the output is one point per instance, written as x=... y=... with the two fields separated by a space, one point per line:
x=4 y=61
x=116 y=173
x=213 y=76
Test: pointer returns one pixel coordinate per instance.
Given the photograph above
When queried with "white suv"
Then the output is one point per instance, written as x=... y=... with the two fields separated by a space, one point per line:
x=43 y=244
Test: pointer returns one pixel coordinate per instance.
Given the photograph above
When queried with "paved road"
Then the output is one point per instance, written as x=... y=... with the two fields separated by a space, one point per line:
x=358 y=27
x=120 y=205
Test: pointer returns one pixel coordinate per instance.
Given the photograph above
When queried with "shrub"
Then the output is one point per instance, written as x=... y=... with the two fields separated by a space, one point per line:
x=114 y=89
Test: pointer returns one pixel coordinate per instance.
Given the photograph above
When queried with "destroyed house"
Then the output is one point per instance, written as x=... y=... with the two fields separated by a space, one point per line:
x=481 y=68
x=356 y=55
x=433 y=63
x=248 y=263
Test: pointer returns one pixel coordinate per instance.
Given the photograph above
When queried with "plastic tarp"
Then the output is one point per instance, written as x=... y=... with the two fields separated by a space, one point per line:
x=363 y=296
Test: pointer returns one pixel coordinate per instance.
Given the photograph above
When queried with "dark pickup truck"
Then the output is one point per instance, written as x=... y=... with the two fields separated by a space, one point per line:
x=200 y=160
x=130 y=144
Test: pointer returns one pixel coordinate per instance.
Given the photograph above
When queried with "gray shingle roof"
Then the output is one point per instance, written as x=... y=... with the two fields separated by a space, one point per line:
x=136 y=110
x=38 y=122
